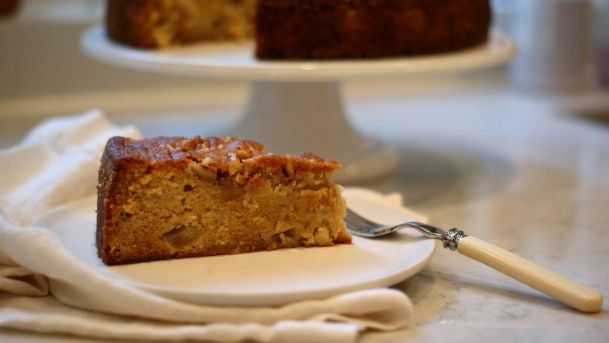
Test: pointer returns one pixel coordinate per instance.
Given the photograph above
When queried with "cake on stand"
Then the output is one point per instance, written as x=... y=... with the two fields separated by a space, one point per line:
x=296 y=106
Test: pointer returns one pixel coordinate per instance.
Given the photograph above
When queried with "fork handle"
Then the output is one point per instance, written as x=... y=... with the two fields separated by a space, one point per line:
x=568 y=291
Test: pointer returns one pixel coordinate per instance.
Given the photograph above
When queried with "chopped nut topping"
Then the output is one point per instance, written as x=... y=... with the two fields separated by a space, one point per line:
x=244 y=153
x=234 y=166
x=189 y=144
x=231 y=156
x=241 y=179
x=206 y=174
x=207 y=161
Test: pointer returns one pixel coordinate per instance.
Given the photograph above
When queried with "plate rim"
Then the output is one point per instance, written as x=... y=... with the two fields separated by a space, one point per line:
x=287 y=296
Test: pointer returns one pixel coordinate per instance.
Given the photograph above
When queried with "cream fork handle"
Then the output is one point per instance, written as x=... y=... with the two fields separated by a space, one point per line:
x=572 y=293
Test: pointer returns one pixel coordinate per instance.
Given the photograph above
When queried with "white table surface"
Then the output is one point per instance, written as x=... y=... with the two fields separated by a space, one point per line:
x=516 y=169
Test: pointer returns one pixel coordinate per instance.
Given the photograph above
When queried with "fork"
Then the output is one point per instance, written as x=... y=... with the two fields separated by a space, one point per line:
x=565 y=290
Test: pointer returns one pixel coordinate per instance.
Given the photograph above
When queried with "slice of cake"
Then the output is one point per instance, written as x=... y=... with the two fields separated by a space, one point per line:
x=172 y=197
x=163 y=23
x=330 y=29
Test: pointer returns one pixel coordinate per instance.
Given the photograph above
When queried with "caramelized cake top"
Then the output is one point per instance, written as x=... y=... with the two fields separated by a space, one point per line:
x=224 y=156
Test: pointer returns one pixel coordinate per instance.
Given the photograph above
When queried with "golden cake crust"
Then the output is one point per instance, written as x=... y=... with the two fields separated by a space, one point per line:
x=220 y=152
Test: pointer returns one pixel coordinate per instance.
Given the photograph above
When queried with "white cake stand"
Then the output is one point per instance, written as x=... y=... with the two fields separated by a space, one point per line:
x=297 y=106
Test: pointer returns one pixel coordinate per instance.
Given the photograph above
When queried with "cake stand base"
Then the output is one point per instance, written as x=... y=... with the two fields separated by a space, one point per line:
x=292 y=117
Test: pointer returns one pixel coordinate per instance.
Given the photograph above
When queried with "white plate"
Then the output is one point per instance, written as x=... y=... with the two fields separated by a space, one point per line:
x=236 y=60
x=261 y=278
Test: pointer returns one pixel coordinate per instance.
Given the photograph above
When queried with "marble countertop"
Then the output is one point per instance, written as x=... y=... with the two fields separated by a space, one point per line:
x=521 y=171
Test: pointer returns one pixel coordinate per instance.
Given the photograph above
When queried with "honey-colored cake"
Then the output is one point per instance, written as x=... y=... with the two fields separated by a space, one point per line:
x=330 y=29
x=172 y=197
x=163 y=23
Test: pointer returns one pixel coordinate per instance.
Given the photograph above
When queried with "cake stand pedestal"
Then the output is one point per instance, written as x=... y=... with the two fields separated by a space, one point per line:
x=297 y=106
x=298 y=116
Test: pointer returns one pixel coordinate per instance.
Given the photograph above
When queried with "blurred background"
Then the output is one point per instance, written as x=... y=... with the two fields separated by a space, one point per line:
x=563 y=56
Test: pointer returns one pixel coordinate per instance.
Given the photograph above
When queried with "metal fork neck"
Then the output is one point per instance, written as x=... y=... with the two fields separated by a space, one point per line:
x=427 y=230
x=451 y=238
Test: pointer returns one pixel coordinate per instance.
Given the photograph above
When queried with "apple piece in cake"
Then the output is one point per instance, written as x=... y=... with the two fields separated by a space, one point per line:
x=174 y=197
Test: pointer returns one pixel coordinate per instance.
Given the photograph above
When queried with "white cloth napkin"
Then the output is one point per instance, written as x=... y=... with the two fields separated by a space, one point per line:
x=43 y=288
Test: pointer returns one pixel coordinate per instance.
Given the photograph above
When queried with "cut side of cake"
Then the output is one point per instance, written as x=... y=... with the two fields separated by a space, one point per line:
x=164 y=23
x=174 y=197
